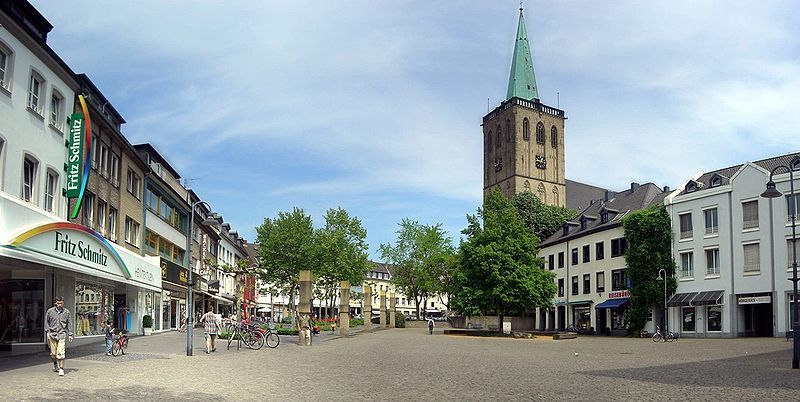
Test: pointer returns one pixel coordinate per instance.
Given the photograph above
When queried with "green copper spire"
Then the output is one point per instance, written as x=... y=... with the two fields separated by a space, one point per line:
x=522 y=82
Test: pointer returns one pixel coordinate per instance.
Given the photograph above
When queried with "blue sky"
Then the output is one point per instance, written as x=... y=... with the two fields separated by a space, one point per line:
x=375 y=106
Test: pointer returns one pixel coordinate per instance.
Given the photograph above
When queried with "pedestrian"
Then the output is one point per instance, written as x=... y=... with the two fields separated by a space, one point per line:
x=109 y=332
x=430 y=326
x=210 y=327
x=58 y=328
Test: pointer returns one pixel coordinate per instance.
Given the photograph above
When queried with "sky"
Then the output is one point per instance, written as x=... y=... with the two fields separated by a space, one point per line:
x=376 y=106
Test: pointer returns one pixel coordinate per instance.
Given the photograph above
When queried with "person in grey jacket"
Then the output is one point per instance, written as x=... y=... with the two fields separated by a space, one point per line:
x=58 y=327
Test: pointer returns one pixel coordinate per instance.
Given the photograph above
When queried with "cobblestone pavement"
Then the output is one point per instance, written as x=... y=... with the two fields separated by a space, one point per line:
x=408 y=364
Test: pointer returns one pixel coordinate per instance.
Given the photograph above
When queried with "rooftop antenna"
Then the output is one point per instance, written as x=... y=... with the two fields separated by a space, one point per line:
x=558 y=100
x=488 y=108
x=520 y=5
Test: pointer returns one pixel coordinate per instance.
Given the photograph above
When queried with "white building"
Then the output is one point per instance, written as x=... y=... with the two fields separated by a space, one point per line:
x=733 y=251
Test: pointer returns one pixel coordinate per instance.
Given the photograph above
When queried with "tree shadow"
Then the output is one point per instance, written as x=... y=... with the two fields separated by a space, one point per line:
x=767 y=370
x=130 y=393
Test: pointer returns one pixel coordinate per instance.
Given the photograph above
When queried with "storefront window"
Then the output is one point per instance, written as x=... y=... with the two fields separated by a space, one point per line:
x=156 y=308
x=583 y=317
x=714 y=318
x=94 y=304
x=688 y=319
x=166 y=308
x=21 y=311
x=618 y=318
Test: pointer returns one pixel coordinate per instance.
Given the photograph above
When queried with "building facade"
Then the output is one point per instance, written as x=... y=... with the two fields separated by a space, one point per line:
x=734 y=252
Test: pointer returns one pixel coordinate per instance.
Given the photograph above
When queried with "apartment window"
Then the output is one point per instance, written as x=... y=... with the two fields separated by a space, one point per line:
x=600 y=282
x=575 y=256
x=619 y=247
x=2 y=164
x=619 y=279
x=57 y=110
x=604 y=217
x=752 y=257
x=586 y=256
x=35 y=88
x=599 y=251
x=539 y=133
x=685 y=225
x=150 y=243
x=561 y=287
x=789 y=252
x=101 y=217
x=526 y=129
x=551 y=262
x=103 y=160
x=5 y=63
x=587 y=283
x=750 y=214
x=29 y=170
x=561 y=259
x=95 y=142
x=134 y=184
x=88 y=209
x=575 y=285
x=112 y=224
x=50 y=187
x=554 y=137
x=114 y=177
x=712 y=262
x=791 y=205
x=132 y=233
x=712 y=224
x=687 y=265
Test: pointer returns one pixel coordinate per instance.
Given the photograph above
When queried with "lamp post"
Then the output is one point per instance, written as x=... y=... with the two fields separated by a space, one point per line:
x=772 y=192
x=190 y=282
x=662 y=276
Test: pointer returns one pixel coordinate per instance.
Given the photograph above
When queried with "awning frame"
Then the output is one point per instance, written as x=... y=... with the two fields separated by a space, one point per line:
x=612 y=303
x=682 y=299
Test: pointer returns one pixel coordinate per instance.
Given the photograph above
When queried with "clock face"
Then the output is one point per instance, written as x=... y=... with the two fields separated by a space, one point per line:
x=541 y=162
x=498 y=164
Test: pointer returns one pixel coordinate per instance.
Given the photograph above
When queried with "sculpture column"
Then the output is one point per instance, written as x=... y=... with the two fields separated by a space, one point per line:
x=367 y=308
x=344 y=308
x=383 y=309
x=392 y=309
x=304 y=308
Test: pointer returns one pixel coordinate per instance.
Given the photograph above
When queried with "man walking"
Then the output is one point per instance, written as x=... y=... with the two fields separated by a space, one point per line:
x=58 y=326
x=430 y=326
x=210 y=327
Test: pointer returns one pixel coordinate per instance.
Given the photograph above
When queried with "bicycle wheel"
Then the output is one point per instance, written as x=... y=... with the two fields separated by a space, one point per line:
x=115 y=348
x=657 y=337
x=669 y=337
x=255 y=340
x=273 y=340
x=124 y=346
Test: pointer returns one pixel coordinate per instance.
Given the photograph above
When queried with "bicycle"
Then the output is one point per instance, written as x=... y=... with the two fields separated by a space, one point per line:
x=666 y=337
x=253 y=338
x=120 y=345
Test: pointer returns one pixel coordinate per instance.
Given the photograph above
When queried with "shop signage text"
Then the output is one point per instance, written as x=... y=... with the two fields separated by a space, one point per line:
x=80 y=250
x=74 y=155
x=620 y=294
x=172 y=272
x=755 y=300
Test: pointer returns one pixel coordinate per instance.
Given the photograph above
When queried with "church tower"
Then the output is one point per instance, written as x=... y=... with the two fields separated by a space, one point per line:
x=523 y=139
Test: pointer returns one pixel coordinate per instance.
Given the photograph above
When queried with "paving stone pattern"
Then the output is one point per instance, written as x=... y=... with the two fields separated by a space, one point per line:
x=408 y=364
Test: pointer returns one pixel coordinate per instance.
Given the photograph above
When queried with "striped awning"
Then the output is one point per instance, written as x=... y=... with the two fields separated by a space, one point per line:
x=682 y=299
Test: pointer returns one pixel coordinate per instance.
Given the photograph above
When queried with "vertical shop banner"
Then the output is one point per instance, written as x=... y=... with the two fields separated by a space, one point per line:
x=79 y=156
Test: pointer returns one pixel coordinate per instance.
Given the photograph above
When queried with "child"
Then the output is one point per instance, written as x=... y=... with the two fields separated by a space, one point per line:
x=109 y=331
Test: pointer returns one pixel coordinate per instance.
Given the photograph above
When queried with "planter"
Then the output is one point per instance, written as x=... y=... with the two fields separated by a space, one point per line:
x=148 y=331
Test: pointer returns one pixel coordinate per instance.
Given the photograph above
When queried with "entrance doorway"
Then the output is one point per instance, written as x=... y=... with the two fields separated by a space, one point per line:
x=121 y=312
x=562 y=317
x=758 y=319
x=601 y=326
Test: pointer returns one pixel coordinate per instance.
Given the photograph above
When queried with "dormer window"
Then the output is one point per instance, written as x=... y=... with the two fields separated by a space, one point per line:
x=715 y=181
x=565 y=229
x=691 y=187
x=583 y=224
x=604 y=217
x=795 y=164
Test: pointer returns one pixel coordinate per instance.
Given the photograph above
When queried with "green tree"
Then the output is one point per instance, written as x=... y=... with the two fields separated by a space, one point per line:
x=542 y=219
x=287 y=245
x=343 y=253
x=649 y=236
x=500 y=272
x=417 y=255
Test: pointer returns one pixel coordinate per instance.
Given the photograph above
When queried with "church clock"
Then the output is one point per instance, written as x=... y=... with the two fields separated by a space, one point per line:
x=541 y=162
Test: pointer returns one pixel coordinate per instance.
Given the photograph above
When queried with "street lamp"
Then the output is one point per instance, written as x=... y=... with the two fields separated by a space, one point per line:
x=772 y=192
x=190 y=282
x=662 y=276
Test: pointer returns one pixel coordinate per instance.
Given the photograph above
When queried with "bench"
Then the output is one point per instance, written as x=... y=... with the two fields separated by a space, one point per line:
x=494 y=327
x=476 y=326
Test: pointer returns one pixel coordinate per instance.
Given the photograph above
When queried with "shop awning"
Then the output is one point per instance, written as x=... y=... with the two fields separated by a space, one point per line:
x=572 y=303
x=612 y=303
x=710 y=297
x=681 y=299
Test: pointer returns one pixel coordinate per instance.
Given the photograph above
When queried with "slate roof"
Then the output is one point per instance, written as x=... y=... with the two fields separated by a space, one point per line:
x=623 y=202
x=581 y=195
x=382 y=267
x=704 y=181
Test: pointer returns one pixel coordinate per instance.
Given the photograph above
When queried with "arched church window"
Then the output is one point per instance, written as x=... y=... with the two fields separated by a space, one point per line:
x=541 y=193
x=489 y=141
x=527 y=186
x=556 y=198
x=509 y=131
x=539 y=133
x=499 y=136
x=526 y=130
x=554 y=137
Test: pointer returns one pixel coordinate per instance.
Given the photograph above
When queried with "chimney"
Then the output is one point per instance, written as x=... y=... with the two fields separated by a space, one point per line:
x=666 y=189
x=634 y=186
x=607 y=196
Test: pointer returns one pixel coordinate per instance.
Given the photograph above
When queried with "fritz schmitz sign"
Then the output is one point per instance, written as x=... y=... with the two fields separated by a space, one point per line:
x=79 y=153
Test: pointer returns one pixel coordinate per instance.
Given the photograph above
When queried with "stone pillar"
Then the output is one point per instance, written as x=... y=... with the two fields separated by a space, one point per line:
x=392 y=307
x=304 y=308
x=344 y=308
x=383 y=309
x=367 y=308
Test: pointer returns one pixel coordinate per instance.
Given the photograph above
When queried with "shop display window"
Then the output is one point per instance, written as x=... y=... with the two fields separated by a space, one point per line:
x=714 y=321
x=688 y=319
x=618 y=318
x=94 y=304
x=22 y=310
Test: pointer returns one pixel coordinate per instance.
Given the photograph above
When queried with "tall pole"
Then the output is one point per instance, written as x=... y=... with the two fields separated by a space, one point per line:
x=190 y=282
x=666 y=319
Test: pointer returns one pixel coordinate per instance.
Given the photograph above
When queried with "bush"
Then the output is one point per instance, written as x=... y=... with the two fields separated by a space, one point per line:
x=147 y=321
x=286 y=331
x=356 y=322
x=399 y=320
x=224 y=335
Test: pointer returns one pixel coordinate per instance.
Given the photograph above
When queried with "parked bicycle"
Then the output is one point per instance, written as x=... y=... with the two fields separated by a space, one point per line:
x=120 y=345
x=666 y=337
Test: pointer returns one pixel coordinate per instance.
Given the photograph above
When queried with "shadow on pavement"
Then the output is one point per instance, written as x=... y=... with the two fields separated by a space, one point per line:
x=130 y=393
x=768 y=370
